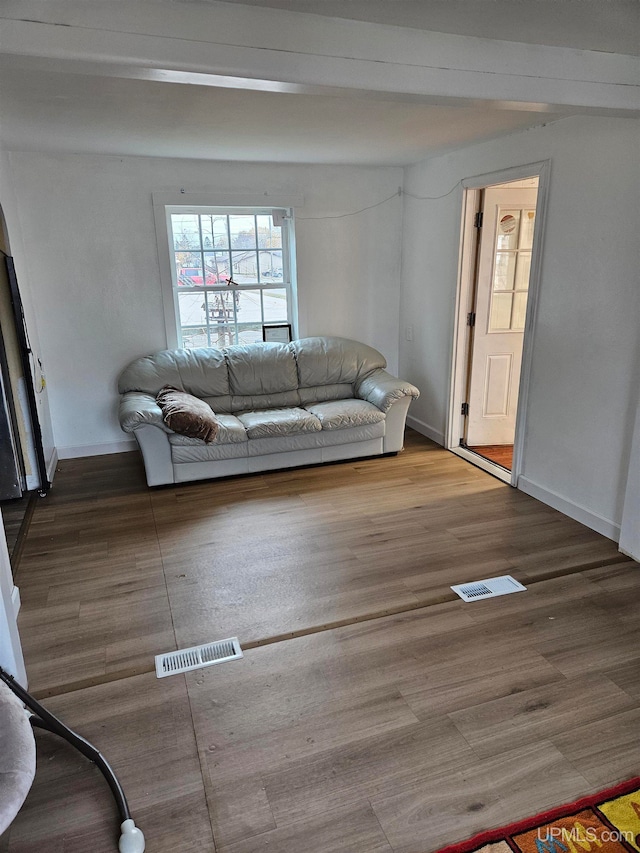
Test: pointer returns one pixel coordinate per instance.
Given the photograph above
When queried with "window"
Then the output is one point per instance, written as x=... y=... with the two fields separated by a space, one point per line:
x=231 y=273
x=512 y=265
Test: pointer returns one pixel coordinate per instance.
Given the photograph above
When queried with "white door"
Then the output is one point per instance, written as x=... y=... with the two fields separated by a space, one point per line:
x=501 y=302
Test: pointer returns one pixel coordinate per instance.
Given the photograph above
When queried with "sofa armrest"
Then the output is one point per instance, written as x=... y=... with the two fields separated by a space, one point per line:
x=139 y=409
x=382 y=389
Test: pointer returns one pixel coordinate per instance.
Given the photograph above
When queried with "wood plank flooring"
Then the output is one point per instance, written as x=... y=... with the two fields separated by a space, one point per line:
x=342 y=728
x=501 y=454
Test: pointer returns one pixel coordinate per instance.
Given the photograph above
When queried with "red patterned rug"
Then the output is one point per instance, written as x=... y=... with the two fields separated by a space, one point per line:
x=608 y=822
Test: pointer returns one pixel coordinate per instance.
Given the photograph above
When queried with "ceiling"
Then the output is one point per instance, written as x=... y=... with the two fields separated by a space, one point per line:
x=52 y=108
x=81 y=113
x=612 y=26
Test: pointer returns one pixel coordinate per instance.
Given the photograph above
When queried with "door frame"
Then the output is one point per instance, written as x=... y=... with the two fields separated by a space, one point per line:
x=465 y=297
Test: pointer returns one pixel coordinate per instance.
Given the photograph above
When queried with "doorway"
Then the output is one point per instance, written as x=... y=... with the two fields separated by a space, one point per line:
x=500 y=248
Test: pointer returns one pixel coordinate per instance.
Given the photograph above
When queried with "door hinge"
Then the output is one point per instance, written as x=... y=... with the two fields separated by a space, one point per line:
x=477 y=222
x=471 y=318
x=465 y=408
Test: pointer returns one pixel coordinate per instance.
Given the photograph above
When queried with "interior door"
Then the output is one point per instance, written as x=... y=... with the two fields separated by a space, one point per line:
x=502 y=288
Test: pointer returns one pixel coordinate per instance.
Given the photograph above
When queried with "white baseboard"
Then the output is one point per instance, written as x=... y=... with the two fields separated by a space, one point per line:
x=79 y=450
x=15 y=600
x=579 y=513
x=426 y=430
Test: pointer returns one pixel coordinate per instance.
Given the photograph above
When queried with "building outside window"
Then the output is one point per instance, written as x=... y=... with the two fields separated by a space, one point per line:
x=231 y=273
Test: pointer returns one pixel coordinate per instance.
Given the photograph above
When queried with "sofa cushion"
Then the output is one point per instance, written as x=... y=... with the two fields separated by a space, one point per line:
x=258 y=402
x=342 y=414
x=230 y=431
x=187 y=415
x=201 y=372
x=259 y=369
x=322 y=393
x=334 y=361
x=310 y=440
x=201 y=452
x=271 y=423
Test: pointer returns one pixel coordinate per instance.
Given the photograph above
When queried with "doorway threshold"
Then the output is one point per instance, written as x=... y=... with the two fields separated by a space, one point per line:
x=501 y=454
x=486 y=465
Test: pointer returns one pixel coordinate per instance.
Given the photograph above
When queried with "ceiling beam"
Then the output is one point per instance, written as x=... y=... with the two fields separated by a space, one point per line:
x=235 y=48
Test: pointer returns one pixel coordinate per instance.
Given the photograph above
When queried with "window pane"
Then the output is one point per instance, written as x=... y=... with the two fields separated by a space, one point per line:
x=191 y=307
x=269 y=237
x=519 y=311
x=275 y=305
x=270 y=265
x=507 y=233
x=222 y=335
x=500 y=320
x=528 y=222
x=504 y=274
x=249 y=306
x=186 y=233
x=214 y=232
x=245 y=267
x=194 y=336
x=523 y=271
x=243 y=232
x=249 y=334
x=188 y=269
x=220 y=305
x=217 y=265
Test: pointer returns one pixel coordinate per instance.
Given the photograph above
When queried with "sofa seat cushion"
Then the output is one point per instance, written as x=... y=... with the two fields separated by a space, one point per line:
x=230 y=431
x=311 y=440
x=201 y=452
x=343 y=414
x=274 y=423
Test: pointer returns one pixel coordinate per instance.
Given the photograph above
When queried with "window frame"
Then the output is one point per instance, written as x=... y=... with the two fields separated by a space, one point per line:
x=165 y=205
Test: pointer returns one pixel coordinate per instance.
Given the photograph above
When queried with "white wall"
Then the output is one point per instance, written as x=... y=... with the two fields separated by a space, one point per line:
x=92 y=266
x=586 y=366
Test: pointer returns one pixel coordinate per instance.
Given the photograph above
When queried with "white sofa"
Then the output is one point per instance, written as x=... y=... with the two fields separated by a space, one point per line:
x=278 y=405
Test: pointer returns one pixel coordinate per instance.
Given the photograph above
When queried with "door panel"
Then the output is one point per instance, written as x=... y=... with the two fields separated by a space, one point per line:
x=496 y=386
x=501 y=301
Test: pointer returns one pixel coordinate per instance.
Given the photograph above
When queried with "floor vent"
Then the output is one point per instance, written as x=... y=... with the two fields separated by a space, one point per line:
x=490 y=588
x=198 y=656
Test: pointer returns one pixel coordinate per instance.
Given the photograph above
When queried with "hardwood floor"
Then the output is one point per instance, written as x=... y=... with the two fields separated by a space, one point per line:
x=373 y=710
x=501 y=454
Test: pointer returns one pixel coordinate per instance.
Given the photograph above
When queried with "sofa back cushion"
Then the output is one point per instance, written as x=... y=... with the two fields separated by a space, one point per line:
x=201 y=372
x=334 y=361
x=262 y=376
x=324 y=393
x=266 y=369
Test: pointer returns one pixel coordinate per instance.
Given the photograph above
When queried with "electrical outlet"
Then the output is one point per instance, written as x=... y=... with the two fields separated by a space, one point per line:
x=408 y=333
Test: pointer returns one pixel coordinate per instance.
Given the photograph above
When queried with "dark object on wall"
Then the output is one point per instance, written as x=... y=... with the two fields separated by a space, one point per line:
x=25 y=357
x=11 y=470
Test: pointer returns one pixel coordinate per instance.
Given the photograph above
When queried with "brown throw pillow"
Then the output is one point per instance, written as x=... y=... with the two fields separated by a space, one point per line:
x=187 y=415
